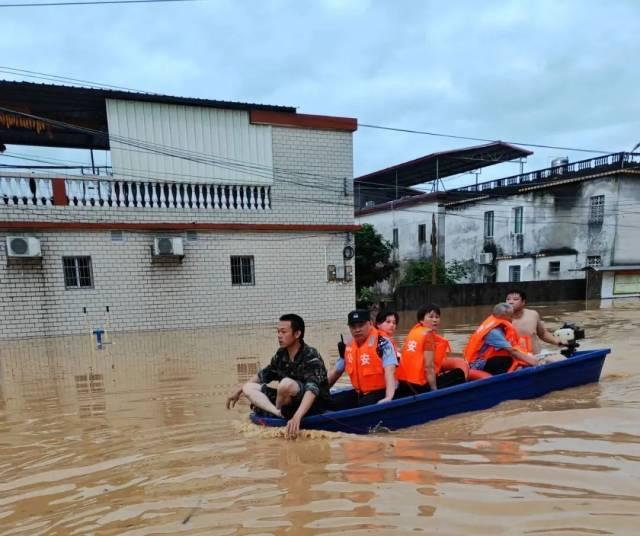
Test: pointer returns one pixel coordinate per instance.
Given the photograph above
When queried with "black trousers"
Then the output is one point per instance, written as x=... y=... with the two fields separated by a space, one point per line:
x=352 y=399
x=498 y=365
x=444 y=379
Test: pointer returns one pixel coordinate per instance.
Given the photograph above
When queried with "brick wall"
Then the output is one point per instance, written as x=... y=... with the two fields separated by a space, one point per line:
x=290 y=268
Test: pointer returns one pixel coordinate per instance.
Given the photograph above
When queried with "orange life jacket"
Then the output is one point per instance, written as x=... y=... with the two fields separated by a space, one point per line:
x=472 y=350
x=364 y=365
x=412 y=363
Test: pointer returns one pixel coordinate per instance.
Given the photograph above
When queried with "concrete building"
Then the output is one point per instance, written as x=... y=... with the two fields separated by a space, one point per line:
x=542 y=225
x=546 y=224
x=212 y=213
x=403 y=215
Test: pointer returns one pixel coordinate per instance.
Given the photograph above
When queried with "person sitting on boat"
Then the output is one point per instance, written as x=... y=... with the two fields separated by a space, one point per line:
x=370 y=362
x=386 y=324
x=528 y=324
x=424 y=363
x=495 y=346
x=303 y=387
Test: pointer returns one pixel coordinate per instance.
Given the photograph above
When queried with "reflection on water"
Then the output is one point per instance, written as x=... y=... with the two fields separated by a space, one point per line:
x=134 y=440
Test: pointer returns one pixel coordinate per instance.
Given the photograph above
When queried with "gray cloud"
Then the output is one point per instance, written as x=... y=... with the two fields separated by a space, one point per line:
x=561 y=73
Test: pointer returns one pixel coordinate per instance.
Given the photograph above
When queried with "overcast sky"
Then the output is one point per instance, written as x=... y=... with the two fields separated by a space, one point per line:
x=550 y=72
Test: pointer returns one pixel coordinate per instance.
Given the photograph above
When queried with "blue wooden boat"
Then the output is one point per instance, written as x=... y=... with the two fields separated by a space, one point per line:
x=579 y=369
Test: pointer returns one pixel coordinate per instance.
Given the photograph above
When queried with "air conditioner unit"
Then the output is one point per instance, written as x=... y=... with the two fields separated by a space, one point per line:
x=486 y=258
x=168 y=247
x=23 y=246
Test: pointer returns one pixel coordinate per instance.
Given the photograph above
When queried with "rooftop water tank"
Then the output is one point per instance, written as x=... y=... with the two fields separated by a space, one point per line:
x=560 y=163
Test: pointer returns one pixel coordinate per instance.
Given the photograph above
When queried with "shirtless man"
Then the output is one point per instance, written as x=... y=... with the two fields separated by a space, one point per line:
x=527 y=321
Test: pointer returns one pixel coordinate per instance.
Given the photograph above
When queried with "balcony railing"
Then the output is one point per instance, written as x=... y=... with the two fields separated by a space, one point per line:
x=16 y=189
x=574 y=169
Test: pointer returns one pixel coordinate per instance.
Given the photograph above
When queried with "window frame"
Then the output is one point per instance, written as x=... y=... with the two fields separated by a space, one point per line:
x=76 y=272
x=591 y=264
x=518 y=220
x=234 y=275
x=422 y=233
x=596 y=209
x=489 y=222
x=554 y=271
x=512 y=270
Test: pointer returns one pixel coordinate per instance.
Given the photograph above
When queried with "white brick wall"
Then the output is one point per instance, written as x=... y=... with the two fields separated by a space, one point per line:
x=290 y=268
x=290 y=276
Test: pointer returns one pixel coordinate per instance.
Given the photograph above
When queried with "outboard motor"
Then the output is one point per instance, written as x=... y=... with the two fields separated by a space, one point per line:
x=569 y=334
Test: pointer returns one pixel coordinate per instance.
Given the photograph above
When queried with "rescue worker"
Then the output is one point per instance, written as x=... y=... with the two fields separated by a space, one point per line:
x=423 y=357
x=387 y=323
x=369 y=360
x=495 y=346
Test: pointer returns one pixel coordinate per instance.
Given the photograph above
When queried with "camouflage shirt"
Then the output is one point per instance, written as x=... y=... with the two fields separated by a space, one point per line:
x=307 y=367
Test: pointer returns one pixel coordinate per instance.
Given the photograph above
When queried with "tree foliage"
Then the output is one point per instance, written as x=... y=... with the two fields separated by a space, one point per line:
x=418 y=272
x=373 y=257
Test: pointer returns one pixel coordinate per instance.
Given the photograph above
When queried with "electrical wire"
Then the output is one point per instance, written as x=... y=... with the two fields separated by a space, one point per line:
x=92 y=3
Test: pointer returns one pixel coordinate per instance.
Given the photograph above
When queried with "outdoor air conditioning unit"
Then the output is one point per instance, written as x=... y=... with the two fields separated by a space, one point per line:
x=23 y=246
x=486 y=258
x=168 y=247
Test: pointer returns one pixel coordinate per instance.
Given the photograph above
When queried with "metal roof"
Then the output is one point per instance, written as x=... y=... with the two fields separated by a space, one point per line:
x=444 y=164
x=85 y=107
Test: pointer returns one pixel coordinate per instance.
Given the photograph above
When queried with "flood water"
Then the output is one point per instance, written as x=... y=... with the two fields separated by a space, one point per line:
x=134 y=439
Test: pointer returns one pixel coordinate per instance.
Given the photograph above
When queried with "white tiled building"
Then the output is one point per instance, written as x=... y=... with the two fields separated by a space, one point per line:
x=259 y=199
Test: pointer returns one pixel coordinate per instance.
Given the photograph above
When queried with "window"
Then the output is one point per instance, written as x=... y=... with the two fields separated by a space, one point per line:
x=488 y=224
x=77 y=272
x=594 y=261
x=514 y=273
x=554 y=267
x=242 y=272
x=422 y=233
x=597 y=209
x=517 y=220
x=396 y=239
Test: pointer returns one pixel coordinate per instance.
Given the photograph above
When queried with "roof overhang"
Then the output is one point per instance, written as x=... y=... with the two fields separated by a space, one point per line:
x=80 y=107
x=443 y=164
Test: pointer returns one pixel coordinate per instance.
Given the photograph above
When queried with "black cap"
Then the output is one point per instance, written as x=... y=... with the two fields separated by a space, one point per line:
x=358 y=316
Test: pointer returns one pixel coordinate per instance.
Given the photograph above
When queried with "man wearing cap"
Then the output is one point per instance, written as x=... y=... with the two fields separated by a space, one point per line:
x=370 y=361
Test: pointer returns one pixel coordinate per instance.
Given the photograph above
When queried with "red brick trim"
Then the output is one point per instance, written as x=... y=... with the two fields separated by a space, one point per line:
x=59 y=192
x=325 y=122
x=103 y=226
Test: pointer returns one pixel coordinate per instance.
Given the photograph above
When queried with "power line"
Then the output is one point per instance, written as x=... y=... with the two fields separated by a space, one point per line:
x=92 y=3
x=486 y=140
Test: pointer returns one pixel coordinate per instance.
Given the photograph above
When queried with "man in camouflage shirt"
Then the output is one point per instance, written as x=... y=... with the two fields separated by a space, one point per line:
x=303 y=388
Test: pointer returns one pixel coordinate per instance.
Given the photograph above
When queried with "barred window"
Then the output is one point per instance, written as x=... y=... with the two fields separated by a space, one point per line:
x=242 y=270
x=594 y=261
x=77 y=272
x=597 y=209
x=514 y=274
x=554 y=267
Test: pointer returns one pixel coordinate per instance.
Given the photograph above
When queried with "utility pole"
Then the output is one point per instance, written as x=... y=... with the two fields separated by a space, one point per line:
x=434 y=242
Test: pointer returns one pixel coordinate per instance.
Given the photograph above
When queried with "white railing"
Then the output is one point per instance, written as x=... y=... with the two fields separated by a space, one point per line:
x=117 y=193
x=16 y=190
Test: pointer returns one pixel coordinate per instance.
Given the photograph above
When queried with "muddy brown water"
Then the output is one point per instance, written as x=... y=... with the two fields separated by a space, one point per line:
x=134 y=440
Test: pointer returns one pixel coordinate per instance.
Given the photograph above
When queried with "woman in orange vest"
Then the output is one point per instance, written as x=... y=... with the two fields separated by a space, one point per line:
x=495 y=347
x=424 y=364
x=386 y=324
x=370 y=361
